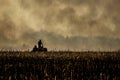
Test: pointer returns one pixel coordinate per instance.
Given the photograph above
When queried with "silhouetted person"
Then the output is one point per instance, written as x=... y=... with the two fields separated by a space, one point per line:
x=40 y=44
x=40 y=47
x=35 y=49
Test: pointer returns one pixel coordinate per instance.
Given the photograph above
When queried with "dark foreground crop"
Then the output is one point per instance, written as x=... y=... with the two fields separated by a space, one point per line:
x=60 y=66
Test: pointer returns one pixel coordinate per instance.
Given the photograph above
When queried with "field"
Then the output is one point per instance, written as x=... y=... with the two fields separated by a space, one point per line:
x=60 y=66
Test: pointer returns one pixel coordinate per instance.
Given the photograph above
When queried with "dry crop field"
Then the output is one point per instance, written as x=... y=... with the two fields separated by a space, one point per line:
x=60 y=66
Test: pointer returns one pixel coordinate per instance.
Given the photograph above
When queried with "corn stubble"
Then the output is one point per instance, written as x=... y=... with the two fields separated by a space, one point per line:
x=60 y=66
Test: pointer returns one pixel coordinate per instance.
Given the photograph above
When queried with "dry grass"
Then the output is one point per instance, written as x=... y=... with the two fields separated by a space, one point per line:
x=60 y=65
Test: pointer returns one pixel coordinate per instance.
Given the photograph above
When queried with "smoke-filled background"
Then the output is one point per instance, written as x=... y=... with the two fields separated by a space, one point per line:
x=61 y=24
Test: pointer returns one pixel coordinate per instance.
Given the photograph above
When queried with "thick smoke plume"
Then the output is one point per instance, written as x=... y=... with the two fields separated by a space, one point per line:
x=61 y=24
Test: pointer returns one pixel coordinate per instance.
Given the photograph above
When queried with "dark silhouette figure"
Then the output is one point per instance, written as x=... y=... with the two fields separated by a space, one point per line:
x=40 y=47
x=35 y=48
x=40 y=44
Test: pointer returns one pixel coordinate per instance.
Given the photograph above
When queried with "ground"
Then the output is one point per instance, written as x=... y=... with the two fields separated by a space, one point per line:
x=86 y=65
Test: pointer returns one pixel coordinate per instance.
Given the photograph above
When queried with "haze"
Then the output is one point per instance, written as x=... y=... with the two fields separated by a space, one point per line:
x=61 y=24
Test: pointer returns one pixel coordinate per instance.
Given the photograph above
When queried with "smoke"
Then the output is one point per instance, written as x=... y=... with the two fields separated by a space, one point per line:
x=61 y=24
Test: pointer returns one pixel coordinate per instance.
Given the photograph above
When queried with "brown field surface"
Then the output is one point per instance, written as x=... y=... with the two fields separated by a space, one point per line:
x=87 y=65
x=69 y=55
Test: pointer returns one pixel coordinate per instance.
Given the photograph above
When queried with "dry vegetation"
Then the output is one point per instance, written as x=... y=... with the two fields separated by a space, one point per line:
x=60 y=66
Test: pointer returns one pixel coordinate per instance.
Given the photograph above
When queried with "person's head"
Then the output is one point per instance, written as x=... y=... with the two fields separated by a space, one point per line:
x=40 y=41
x=35 y=46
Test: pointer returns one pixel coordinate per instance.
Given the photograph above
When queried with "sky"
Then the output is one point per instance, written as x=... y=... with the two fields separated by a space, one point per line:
x=61 y=24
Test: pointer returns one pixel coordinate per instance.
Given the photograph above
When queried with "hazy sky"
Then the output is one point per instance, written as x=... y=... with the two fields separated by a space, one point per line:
x=61 y=24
